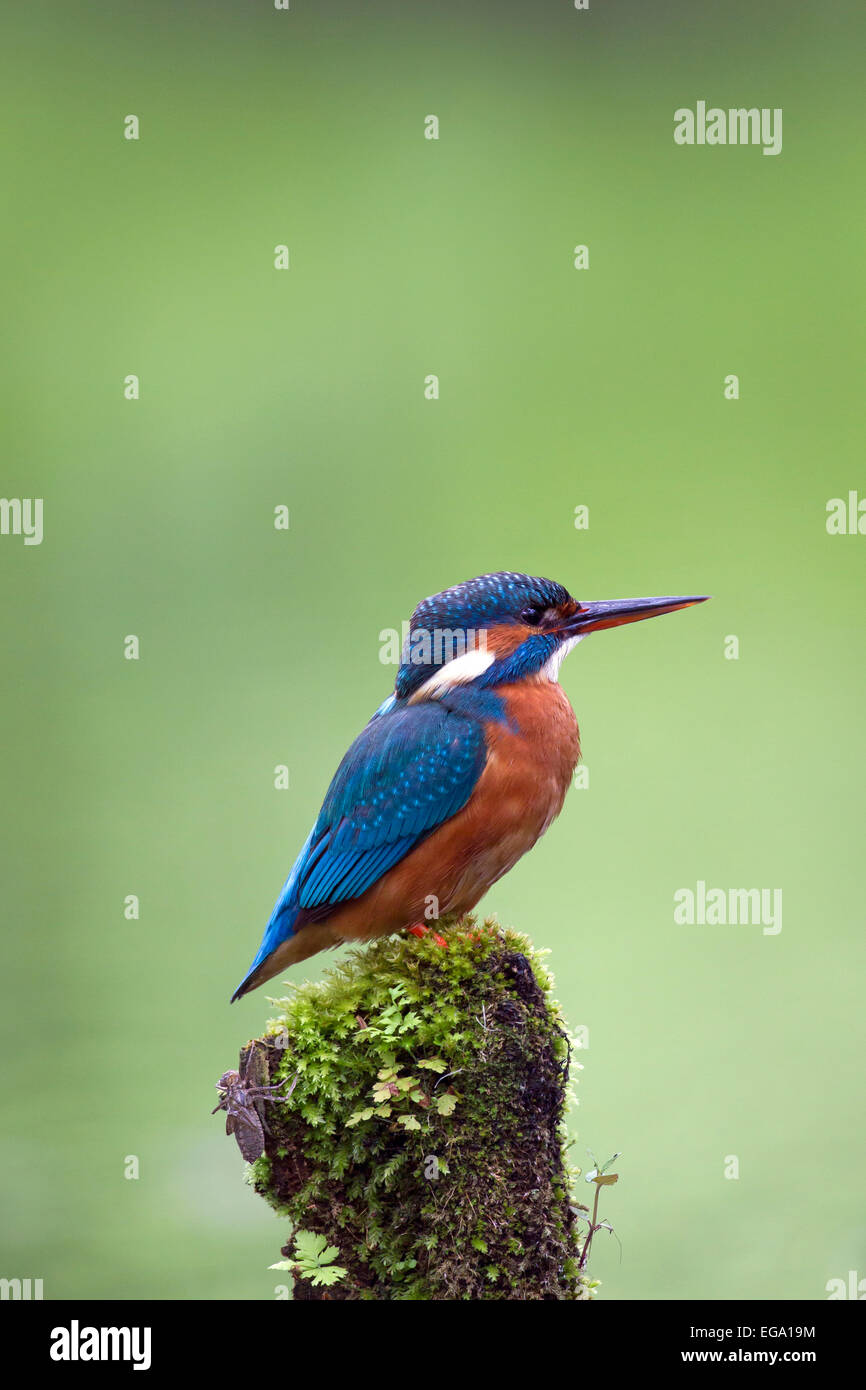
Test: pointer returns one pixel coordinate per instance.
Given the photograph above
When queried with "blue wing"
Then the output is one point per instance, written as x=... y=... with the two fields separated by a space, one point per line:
x=411 y=768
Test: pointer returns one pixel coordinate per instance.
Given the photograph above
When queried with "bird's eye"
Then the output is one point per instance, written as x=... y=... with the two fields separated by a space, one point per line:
x=532 y=616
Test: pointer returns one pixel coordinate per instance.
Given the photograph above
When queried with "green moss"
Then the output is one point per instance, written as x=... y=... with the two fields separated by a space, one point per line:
x=424 y=1137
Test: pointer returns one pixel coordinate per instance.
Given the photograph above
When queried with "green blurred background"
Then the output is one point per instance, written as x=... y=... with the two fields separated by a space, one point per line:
x=261 y=647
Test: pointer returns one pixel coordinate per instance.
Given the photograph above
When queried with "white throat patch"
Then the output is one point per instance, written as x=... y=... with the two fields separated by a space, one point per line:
x=550 y=669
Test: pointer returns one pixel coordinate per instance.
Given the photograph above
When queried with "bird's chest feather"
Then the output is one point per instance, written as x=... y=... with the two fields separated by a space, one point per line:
x=532 y=758
x=530 y=762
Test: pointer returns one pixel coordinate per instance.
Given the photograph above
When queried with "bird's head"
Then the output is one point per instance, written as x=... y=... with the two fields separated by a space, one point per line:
x=506 y=627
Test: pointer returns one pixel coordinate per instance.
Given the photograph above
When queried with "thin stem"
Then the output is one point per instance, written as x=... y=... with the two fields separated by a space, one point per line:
x=592 y=1229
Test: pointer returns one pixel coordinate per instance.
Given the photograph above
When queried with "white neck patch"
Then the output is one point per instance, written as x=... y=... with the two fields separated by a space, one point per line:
x=550 y=669
x=458 y=671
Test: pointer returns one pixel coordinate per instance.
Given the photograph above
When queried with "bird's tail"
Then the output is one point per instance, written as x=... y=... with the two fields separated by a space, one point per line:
x=280 y=928
x=271 y=959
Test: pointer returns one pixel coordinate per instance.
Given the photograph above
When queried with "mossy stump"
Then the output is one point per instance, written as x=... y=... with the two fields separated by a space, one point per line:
x=421 y=1151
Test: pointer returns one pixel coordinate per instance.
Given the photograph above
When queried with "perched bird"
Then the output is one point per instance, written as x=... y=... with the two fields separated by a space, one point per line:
x=457 y=774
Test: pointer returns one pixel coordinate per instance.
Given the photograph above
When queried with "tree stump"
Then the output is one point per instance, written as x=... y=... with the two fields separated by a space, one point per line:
x=420 y=1154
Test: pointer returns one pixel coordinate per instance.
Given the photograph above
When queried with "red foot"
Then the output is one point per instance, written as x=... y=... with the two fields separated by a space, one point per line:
x=475 y=936
x=420 y=931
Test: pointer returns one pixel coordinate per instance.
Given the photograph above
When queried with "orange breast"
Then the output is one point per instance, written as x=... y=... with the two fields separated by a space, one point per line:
x=519 y=793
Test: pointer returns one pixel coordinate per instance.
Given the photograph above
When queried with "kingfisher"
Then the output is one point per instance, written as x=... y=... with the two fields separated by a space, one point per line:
x=456 y=775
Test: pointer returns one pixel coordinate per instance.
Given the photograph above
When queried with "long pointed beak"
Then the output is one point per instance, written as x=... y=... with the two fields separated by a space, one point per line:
x=593 y=617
